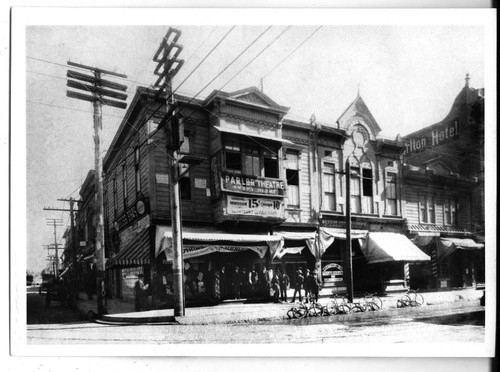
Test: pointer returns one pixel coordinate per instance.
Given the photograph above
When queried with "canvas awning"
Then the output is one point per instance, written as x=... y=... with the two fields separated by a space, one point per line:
x=309 y=237
x=256 y=135
x=447 y=246
x=135 y=253
x=327 y=235
x=387 y=247
x=211 y=234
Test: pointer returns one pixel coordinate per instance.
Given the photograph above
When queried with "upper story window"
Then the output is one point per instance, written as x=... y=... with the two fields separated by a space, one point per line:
x=292 y=179
x=362 y=189
x=137 y=160
x=242 y=157
x=124 y=185
x=329 y=203
x=450 y=211
x=184 y=177
x=423 y=208
x=390 y=194
x=115 y=198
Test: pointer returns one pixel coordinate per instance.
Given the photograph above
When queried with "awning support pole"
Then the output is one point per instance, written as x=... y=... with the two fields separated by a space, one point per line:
x=349 y=284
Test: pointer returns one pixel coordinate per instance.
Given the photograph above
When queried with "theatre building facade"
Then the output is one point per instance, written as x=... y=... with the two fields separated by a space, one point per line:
x=444 y=186
x=259 y=192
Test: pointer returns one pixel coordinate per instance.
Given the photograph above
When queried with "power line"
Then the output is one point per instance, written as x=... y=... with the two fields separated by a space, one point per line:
x=293 y=51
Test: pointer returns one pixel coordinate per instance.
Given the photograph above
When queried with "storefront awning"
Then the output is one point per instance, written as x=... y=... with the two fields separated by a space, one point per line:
x=256 y=135
x=447 y=246
x=328 y=234
x=388 y=247
x=437 y=230
x=309 y=237
x=209 y=234
x=136 y=253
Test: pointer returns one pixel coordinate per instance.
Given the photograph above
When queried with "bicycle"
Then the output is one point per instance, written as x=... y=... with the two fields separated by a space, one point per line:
x=306 y=309
x=338 y=305
x=372 y=302
x=411 y=299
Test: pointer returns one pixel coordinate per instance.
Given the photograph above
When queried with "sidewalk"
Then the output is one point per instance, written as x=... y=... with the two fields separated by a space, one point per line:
x=122 y=312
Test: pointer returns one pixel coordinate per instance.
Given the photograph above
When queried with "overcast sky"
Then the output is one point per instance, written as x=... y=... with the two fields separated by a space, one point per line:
x=407 y=75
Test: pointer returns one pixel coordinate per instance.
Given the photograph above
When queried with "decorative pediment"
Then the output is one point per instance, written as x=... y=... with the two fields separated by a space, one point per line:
x=439 y=167
x=253 y=98
x=358 y=113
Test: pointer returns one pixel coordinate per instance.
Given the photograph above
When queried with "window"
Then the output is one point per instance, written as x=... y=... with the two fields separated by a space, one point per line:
x=184 y=178
x=454 y=212
x=137 y=159
x=124 y=185
x=447 y=212
x=355 y=190
x=115 y=199
x=390 y=194
x=292 y=179
x=423 y=208
x=329 y=203
x=367 y=179
x=184 y=182
x=185 y=147
x=431 y=209
x=251 y=160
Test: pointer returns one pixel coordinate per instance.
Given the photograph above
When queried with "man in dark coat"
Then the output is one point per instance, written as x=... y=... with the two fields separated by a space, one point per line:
x=314 y=285
x=297 y=285
x=140 y=293
x=284 y=282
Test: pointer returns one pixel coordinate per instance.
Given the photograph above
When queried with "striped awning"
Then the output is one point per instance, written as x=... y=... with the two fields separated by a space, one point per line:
x=436 y=230
x=136 y=253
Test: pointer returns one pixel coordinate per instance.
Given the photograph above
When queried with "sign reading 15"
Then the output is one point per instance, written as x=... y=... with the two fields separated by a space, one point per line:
x=256 y=203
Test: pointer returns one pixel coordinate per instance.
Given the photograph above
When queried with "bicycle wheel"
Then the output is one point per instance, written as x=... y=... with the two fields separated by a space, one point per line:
x=419 y=299
x=343 y=309
x=406 y=300
x=330 y=309
x=316 y=310
x=290 y=314
x=300 y=311
x=358 y=308
x=376 y=303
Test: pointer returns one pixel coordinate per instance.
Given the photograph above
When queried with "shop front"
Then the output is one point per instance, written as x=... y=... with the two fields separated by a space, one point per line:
x=218 y=265
x=381 y=256
x=298 y=252
x=457 y=260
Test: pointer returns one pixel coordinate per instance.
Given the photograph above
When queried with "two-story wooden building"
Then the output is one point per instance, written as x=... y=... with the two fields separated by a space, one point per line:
x=444 y=188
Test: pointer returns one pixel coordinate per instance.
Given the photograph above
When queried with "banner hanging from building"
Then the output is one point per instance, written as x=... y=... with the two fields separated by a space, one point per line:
x=196 y=250
x=238 y=205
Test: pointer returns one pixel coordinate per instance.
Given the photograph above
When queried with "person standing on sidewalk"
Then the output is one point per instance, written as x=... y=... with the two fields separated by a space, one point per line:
x=307 y=289
x=140 y=293
x=298 y=283
x=236 y=278
x=284 y=282
x=314 y=286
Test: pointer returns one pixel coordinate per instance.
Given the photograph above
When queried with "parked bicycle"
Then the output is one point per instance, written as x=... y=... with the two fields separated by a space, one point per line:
x=306 y=309
x=411 y=299
x=339 y=305
x=372 y=302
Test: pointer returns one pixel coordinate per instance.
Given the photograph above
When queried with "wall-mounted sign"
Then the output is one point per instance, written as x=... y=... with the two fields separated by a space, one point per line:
x=200 y=183
x=332 y=273
x=341 y=223
x=253 y=185
x=162 y=178
x=237 y=205
x=432 y=137
x=216 y=176
x=134 y=212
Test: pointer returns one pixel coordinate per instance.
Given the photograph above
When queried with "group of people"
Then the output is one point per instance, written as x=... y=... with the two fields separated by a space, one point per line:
x=267 y=283
x=240 y=283
x=309 y=282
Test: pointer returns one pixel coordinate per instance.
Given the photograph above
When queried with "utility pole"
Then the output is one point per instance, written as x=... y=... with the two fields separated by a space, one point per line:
x=348 y=251
x=55 y=222
x=98 y=88
x=168 y=66
x=50 y=259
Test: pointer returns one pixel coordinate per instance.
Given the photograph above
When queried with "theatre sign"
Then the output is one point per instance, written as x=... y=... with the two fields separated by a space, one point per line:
x=433 y=136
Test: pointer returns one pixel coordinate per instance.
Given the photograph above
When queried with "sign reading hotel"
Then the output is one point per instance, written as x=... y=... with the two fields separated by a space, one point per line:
x=432 y=137
x=253 y=185
x=262 y=207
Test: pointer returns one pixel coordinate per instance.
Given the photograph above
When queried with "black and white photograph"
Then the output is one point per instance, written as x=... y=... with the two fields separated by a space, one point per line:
x=215 y=182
